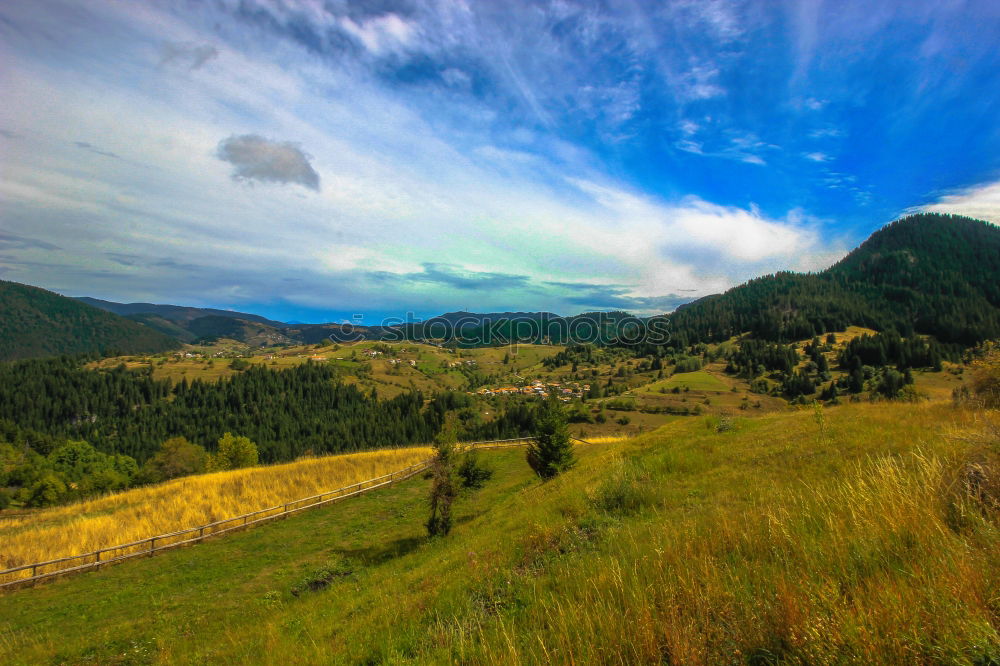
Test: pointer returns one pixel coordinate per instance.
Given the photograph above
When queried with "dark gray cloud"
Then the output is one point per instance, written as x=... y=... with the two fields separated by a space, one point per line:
x=124 y=259
x=12 y=242
x=453 y=276
x=603 y=297
x=449 y=275
x=572 y=295
x=178 y=265
x=267 y=161
x=91 y=148
x=147 y=262
x=7 y=134
x=187 y=53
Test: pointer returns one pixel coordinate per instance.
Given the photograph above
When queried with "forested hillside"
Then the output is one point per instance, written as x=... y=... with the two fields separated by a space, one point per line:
x=287 y=413
x=175 y=313
x=927 y=273
x=35 y=322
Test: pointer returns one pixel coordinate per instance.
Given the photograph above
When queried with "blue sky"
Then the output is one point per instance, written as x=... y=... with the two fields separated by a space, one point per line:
x=311 y=160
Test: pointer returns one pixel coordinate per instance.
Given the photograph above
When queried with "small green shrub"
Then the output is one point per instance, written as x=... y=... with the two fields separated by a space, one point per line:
x=473 y=473
x=334 y=569
x=725 y=424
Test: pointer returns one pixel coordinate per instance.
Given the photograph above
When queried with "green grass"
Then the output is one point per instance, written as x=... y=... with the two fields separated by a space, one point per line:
x=696 y=381
x=785 y=538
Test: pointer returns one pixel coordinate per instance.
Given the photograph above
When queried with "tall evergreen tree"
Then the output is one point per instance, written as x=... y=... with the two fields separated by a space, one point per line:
x=551 y=453
x=444 y=486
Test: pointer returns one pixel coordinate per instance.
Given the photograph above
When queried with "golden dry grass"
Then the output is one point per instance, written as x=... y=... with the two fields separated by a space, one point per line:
x=187 y=502
x=606 y=439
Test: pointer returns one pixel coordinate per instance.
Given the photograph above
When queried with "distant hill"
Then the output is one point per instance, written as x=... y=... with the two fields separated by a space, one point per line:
x=256 y=333
x=165 y=326
x=927 y=273
x=35 y=322
x=190 y=324
x=487 y=317
x=177 y=313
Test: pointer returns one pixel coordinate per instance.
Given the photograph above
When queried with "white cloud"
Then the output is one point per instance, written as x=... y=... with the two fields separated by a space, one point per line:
x=699 y=82
x=817 y=157
x=741 y=242
x=381 y=34
x=981 y=202
x=814 y=104
x=688 y=127
x=826 y=133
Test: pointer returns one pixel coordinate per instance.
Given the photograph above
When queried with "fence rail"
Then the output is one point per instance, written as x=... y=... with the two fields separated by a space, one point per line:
x=31 y=573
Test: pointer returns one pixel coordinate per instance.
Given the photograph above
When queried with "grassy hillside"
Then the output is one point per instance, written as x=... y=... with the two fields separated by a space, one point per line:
x=187 y=502
x=35 y=322
x=860 y=534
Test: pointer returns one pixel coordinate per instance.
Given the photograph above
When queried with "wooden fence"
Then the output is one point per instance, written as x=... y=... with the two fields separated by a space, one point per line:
x=30 y=573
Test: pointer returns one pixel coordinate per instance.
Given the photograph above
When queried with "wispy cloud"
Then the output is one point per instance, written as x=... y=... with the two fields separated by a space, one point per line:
x=14 y=242
x=826 y=133
x=188 y=54
x=449 y=275
x=91 y=148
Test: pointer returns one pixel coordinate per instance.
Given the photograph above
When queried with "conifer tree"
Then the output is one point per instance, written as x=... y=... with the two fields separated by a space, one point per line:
x=444 y=487
x=551 y=453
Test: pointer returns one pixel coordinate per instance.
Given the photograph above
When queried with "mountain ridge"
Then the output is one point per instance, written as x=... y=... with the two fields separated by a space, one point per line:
x=37 y=322
x=927 y=273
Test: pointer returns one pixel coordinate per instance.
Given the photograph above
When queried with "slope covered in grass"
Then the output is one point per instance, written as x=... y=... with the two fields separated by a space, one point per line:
x=184 y=503
x=865 y=534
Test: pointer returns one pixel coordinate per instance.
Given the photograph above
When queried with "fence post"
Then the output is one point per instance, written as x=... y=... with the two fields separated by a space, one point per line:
x=201 y=533
x=152 y=542
x=98 y=559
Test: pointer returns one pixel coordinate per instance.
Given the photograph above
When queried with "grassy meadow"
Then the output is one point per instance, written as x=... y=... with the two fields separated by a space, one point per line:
x=186 y=502
x=865 y=533
x=699 y=381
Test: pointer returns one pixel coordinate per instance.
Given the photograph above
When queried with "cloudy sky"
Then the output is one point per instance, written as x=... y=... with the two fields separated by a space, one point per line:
x=309 y=160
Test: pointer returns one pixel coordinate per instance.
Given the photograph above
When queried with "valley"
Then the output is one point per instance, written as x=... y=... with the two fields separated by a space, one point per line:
x=792 y=473
x=424 y=332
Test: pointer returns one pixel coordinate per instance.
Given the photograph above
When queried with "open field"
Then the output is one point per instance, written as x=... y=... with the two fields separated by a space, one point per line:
x=434 y=368
x=697 y=381
x=784 y=538
x=186 y=502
